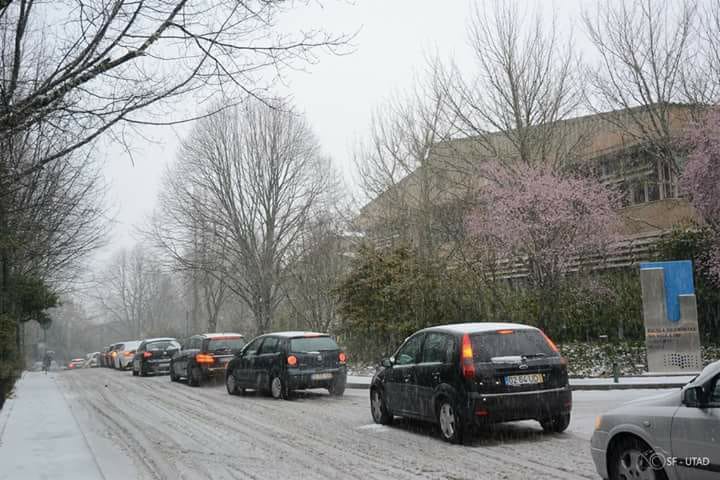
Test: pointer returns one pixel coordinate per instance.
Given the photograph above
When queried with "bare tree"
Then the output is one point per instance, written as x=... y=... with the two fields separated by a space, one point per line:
x=320 y=263
x=134 y=291
x=93 y=65
x=250 y=177
x=403 y=172
x=526 y=84
x=178 y=229
x=647 y=58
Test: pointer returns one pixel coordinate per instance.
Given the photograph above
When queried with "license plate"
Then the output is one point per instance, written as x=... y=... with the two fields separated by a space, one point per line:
x=321 y=376
x=529 y=379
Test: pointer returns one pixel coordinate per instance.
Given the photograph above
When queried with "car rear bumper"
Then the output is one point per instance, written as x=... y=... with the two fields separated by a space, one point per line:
x=532 y=405
x=157 y=366
x=320 y=378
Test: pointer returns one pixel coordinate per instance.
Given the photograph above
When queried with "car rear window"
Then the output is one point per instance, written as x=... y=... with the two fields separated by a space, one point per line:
x=162 y=345
x=312 y=344
x=227 y=343
x=520 y=342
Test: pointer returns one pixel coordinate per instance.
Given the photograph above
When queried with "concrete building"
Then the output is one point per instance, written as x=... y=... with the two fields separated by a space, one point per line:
x=620 y=148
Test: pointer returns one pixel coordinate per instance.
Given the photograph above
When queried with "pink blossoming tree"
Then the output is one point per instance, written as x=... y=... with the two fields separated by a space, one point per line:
x=545 y=222
x=701 y=182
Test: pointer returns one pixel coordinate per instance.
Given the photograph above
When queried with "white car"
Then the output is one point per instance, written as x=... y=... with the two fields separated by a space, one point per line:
x=125 y=354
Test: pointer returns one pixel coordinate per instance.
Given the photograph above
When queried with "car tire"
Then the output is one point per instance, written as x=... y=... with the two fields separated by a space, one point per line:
x=135 y=373
x=142 y=372
x=173 y=375
x=556 y=423
x=452 y=427
x=337 y=387
x=378 y=408
x=278 y=388
x=231 y=384
x=194 y=376
x=631 y=458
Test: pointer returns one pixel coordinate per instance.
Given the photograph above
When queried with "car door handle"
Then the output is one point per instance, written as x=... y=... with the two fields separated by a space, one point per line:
x=406 y=378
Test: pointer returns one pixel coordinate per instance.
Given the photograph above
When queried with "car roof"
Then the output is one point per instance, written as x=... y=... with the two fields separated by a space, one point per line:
x=477 y=327
x=296 y=334
x=160 y=339
x=221 y=335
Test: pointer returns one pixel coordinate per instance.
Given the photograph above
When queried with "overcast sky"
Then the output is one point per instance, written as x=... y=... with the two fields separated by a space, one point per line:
x=337 y=94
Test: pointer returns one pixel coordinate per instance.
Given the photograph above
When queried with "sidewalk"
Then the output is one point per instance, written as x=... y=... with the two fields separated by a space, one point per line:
x=624 y=383
x=56 y=449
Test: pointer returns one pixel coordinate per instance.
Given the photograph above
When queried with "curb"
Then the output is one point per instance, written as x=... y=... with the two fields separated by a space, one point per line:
x=610 y=386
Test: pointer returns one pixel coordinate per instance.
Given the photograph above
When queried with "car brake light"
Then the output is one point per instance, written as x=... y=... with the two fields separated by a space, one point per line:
x=147 y=355
x=467 y=361
x=550 y=343
x=204 y=358
x=505 y=332
x=342 y=357
x=292 y=360
x=128 y=354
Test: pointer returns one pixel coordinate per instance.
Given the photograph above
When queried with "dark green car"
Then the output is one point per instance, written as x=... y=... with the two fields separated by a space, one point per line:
x=278 y=363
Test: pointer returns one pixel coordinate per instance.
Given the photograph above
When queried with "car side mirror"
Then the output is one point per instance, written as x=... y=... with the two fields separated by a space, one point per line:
x=694 y=397
x=387 y=362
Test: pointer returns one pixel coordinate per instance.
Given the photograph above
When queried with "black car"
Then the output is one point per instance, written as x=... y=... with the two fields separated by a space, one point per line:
x=465 y=375
x=281 y=362
x=205 y=356
x=153 y=356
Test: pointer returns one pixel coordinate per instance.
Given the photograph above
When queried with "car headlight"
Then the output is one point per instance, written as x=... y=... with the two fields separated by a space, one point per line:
x=598 y=422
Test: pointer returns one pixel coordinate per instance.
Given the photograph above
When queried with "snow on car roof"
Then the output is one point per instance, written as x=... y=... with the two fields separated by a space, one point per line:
x=222 y=335
x=160 y=339
x=293 y=334
x=477 y=327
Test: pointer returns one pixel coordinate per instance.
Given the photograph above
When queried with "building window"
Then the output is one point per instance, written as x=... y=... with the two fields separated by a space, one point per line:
x=653 y=191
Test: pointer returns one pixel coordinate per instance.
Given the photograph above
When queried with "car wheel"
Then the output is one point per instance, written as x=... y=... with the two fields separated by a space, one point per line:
x=142 y=372
x=278 y=388
x=135 y=373
x=194 y=376
x=556 y=424
x=634 y=459
x=451 y=425
x=231 y=384
x=337 y=387
x=379 y=410
x=173 y=375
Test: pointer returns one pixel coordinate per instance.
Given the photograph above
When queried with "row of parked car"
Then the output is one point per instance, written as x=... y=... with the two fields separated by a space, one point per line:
x=459 y=377
x=276 y=363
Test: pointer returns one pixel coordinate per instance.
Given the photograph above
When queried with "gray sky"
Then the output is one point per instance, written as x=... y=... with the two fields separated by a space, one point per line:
x=337 y=94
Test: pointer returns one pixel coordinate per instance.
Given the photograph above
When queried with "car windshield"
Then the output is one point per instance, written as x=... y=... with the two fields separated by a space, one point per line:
x=528 y=343
x=231 y=344
x=312 y=344
x=161 y=345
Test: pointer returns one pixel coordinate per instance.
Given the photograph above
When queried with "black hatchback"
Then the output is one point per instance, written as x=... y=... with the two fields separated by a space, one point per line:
x=284 y=361
x=465 y=375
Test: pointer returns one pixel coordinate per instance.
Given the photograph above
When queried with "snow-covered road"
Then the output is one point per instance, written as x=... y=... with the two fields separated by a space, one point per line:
x=152 y=428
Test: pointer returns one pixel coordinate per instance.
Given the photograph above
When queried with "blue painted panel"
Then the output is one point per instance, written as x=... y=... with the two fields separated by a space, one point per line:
x=678 y=281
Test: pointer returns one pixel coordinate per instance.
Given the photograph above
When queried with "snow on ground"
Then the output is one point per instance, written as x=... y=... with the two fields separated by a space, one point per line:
x=150 y=428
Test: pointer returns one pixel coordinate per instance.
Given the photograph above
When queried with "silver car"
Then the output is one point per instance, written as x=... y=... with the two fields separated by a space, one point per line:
x=670 y=436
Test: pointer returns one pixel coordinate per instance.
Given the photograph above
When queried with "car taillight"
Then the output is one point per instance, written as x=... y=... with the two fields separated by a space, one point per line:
x=550 y=343
x=204 y=358
x=292 y=360
x=114 y=354
x=342 y=357
x=128 y=354
x=147 y=355
x=467 y=360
